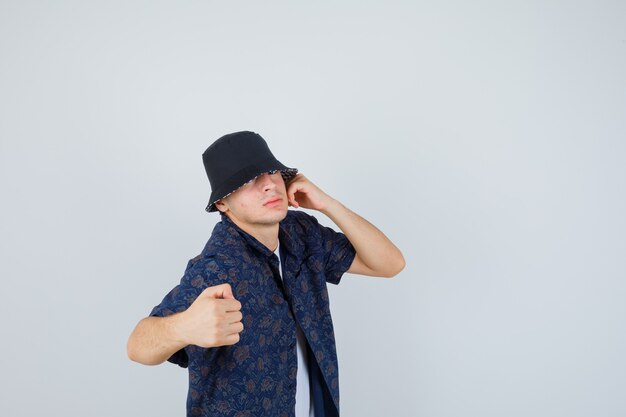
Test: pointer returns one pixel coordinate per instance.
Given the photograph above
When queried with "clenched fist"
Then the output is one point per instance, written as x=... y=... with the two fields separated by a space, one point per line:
x=213 y=319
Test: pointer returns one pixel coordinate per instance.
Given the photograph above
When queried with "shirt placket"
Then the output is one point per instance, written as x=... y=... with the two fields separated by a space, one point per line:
x=290 y=347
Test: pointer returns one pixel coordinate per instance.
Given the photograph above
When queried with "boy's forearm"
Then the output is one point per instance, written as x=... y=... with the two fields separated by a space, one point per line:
x=155 y=339
x=372 y=246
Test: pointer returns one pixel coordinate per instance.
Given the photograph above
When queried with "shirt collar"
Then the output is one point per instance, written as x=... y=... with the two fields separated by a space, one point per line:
x=286 y=236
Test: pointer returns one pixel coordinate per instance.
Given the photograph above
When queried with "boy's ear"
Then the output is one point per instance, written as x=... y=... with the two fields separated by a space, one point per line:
x=219 y=205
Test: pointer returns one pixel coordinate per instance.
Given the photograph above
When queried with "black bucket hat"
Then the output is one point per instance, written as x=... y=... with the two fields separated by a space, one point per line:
x=236 y=159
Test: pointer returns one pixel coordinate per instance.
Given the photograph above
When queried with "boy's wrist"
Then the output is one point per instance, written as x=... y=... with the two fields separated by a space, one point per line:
x=175 y=329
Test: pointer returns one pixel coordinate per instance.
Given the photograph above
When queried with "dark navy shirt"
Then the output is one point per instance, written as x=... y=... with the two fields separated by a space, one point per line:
x=257 y=375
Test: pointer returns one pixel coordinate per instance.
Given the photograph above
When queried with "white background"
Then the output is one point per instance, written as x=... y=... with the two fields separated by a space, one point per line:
x=485 y=139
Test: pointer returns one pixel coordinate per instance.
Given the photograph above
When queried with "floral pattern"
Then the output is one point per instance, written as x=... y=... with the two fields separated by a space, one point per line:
x=257 y=375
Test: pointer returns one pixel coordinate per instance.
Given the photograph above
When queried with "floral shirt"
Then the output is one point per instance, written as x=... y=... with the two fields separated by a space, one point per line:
x=257 y=375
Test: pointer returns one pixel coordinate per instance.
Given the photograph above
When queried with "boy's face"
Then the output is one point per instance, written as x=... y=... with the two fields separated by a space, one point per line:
x=248 y=205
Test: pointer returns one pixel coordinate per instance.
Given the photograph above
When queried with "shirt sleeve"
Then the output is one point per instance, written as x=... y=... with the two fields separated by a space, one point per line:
x=193 y=282
x=337 y=251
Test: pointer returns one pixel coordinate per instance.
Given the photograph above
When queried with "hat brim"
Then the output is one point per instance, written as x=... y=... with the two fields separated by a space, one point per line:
x=285 y=172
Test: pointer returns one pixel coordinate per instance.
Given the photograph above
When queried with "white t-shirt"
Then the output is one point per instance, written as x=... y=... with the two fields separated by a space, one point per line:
x=304 y=405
